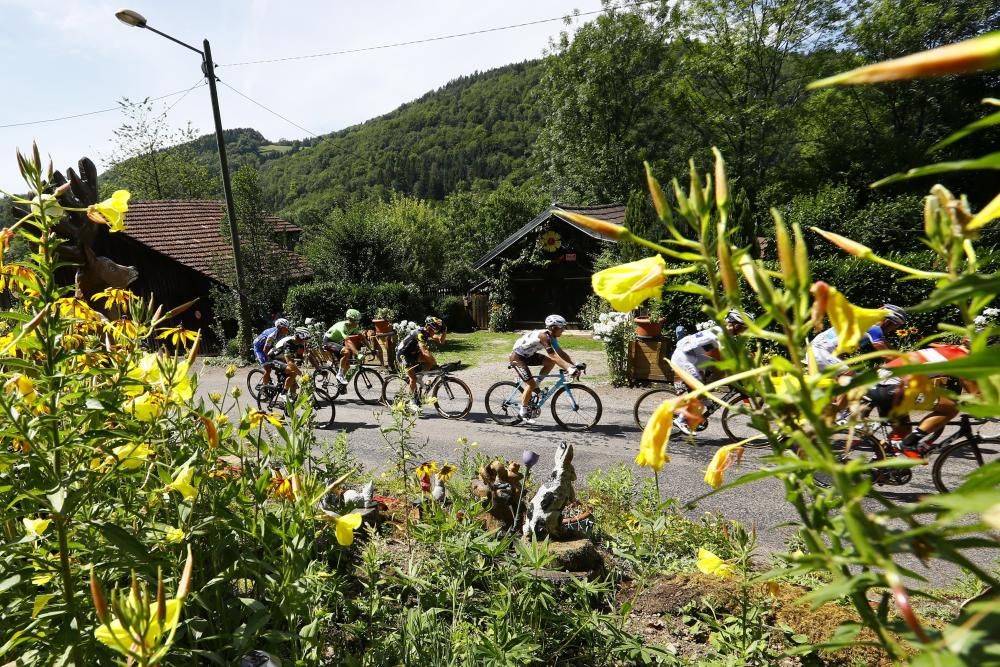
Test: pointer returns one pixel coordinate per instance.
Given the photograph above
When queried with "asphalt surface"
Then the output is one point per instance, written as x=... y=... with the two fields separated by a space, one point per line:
x=613 y=441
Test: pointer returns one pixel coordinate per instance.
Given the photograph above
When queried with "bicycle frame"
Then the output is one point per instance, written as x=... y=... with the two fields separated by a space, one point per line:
x=964 y=432
x=548 y=392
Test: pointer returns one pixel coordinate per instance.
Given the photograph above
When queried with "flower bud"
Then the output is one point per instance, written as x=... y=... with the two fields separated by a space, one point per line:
x=656 y=192
x=847 y=245
x=721 y=183
x=97 y=595
x=602 y=227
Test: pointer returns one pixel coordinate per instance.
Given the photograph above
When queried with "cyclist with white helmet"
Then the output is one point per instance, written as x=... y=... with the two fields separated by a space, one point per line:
x=265 y=341
x=286 y=355
x=697 y=350
x=539 y=348
x=826 y=342
x=339 y=339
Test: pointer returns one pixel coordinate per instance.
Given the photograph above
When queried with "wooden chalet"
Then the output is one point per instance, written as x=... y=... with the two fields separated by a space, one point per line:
x=561 y=283
x=179 y=250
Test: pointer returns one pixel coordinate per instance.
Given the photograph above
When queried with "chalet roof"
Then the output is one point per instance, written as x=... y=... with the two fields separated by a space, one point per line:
x=607 y=212
x=189 y=232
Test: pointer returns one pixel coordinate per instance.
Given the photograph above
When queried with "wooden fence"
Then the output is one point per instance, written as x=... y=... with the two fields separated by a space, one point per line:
x=479 y=310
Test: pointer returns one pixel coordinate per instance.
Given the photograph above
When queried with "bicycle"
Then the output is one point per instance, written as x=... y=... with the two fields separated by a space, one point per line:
x=583 y=405
x=453 y=398
x=368 y=383
x=735 y=417
x=959 y=455
x=324 y=410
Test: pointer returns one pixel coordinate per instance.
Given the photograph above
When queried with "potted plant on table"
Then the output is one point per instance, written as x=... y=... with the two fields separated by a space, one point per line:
x=383 y=320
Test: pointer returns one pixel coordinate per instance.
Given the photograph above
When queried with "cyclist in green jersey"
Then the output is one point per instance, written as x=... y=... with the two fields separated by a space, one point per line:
x=339 y=340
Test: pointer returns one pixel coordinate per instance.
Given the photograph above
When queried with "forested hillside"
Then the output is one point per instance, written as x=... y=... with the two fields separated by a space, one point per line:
x=475 y=131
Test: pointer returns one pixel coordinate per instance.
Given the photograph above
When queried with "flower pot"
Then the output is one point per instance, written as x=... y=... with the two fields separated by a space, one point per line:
x=382 y=326
x=644 y=328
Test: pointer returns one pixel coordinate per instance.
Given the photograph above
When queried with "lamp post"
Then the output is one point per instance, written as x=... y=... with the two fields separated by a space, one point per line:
x=137 y=20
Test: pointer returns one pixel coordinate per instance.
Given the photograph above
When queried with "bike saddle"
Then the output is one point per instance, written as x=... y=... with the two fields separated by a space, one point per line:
x=451 y=366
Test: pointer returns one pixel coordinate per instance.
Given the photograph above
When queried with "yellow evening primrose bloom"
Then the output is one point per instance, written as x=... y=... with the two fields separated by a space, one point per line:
x=256 y=418
x=346 y=525
x=724 y=457
x=174 y=536
x=36 y=527
x=709 y=563
x=626 y=286
x=850 y=321
x=131 y=457
x=114 y=296
x=111 y=212
x=146 y=407
x=653 y=445
x=182 y=483
x=115 y=636
x=427 y=468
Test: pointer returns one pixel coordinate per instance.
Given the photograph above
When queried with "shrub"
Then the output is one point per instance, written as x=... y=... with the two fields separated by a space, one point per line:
x=452 y=310
x=328 y=301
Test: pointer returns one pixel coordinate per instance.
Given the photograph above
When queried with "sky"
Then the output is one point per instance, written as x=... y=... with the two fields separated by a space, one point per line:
x=73 y=57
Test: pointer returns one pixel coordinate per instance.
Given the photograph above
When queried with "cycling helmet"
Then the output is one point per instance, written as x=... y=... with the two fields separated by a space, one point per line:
x=353 y=315
x=553 y=321
x=435 y=323
x=303 y=333
x=896 y=314
x=282 y=322
x=734 y=317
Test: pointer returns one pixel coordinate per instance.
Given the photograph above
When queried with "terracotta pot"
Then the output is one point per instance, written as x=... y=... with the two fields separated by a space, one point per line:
x=644 y=328
x=382 y=326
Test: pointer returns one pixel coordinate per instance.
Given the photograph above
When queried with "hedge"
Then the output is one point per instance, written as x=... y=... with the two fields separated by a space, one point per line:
x=329 y=300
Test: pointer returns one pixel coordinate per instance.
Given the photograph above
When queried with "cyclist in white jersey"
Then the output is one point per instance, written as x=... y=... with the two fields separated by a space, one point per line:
x=695 y=351
x=539 y=348
x=825 y=344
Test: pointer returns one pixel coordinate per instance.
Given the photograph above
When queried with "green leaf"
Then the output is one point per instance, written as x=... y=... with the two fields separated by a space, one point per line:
x=937 y=659
x=691 y=288
x=963 y=289
x=124 y=540
x=991 y=161
x=981 y=124
x=10 y=582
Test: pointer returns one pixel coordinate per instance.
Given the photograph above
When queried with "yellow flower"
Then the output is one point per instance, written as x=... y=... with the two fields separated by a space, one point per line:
x=36 y=527
x=724 y=457
x=653 y=446
x=22 y=384
x=115 y=636
x=427 y=469
x=989 y=213
x=15 y=274
x=182 y=483
x=551 y=241
x=174 y=536
x=709 y=563
x=850 y=321
x=345 y=527
x=146 y=407
x=446 y=471
x=211 y=432
x=178 y=336
x=974 y=54
x=131 y=456
x=123 y=329
x=626 y=286
x=256 y=418
x=111 y=212
x=114 y=297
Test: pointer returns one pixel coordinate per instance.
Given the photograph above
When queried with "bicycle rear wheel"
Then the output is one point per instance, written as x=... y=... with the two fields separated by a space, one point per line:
x=255 y=378
x=454 y=398
x=647 y=403
x=322 y=378
x=736 y=421
x=503 y=403
x=954 y=465
x=576 y=407
x=324 y=410
x=368 y=385
x=395 y=389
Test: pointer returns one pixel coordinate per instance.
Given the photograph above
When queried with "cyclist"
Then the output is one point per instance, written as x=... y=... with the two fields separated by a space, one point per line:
x=413 y=351
x=889 y=393
x=825 y=343
x=695 y=351
x=539 y=348
x=285 y=356
x=265 y=341
x=338 y=339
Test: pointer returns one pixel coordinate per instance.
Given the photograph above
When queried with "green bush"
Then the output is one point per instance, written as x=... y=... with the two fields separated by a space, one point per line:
x=452 y=310
x=328 y=301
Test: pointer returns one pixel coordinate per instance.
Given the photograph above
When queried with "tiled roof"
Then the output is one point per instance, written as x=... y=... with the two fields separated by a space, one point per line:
x=189 y=232
x=608 y=212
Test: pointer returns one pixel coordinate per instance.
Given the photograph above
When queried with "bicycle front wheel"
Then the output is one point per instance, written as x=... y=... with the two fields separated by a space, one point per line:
x=736 y=422
x=647 y=403
x=955 y=464
x=453 y=398
x=503 y=403
x=576 y=407
x=368 y=385
x=845 y=449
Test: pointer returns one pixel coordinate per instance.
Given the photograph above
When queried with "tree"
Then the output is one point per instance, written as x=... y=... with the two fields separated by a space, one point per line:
x=152 y=160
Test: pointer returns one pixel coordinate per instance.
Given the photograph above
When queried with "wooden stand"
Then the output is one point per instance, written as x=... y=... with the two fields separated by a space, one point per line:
x=388 y=342
x=647 y=360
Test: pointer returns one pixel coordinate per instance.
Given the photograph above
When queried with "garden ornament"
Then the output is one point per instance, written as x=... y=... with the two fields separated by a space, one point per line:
x=499 y=487
x=544 y=518
x=257 y=658
x=79 y=232
x=438 y=490
x=362 y=498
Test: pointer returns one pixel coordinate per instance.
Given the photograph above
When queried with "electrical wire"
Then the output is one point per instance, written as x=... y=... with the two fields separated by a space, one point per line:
x=287 y=120
x=438 y=38
x=201 y=82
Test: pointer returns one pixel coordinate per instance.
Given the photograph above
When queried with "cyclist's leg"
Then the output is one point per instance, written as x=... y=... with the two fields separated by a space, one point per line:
x=522 y=368
x=695 y=408
x=291 y=375
x=348 y=350
x=262 y=360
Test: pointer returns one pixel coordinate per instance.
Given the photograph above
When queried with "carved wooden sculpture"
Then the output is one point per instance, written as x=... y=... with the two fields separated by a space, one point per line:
x=500 y=490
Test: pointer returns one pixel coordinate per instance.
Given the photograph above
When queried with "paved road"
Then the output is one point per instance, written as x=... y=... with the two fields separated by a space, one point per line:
x=614 y=441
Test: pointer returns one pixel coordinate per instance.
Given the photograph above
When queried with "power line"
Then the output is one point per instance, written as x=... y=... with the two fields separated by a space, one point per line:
x=438 y=38
x=93 y=113
x=200 y=82
x=287 y=120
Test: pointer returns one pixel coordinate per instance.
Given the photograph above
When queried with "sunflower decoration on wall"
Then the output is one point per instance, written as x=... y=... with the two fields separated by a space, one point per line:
x=551 y=241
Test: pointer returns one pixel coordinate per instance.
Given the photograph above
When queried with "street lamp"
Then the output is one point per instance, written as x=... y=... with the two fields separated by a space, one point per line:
x=137 y=20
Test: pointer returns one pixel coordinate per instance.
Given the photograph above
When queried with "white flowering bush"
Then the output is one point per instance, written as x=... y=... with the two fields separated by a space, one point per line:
x=615 y=330
x=404 y=327
x=701 y=326
x=990 y=317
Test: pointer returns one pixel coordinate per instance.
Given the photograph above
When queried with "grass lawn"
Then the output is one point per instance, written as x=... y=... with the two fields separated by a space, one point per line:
x=486 y=346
